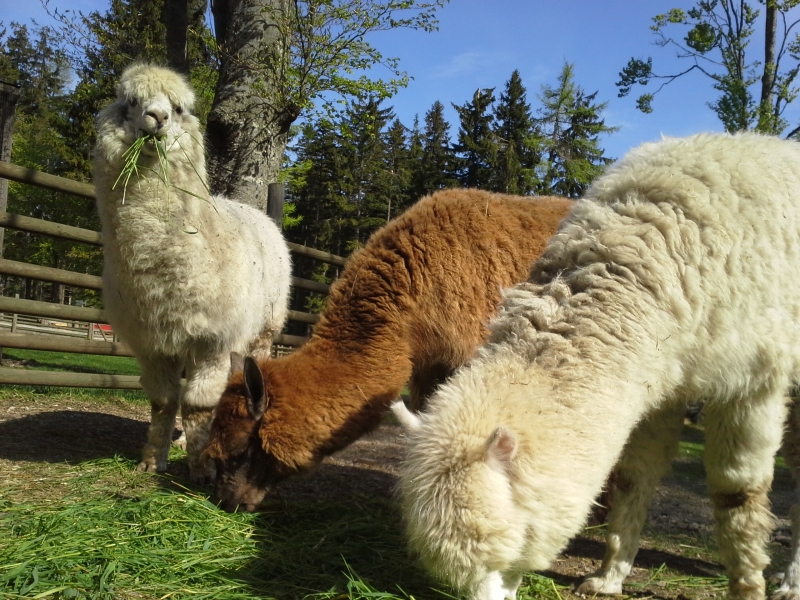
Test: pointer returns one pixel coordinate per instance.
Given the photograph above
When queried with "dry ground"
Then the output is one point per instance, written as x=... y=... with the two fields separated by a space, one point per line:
x=678 y=558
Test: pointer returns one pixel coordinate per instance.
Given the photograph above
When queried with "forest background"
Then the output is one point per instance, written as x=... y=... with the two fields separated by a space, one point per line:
x=351 y=167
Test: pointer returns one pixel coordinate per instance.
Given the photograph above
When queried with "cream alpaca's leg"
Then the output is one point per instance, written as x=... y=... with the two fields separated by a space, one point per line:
x=498 y=586
x=741 y=441
x=161 y=381
x=645 y=460
x=790 y=586
x=261 y=347
x=205 y=381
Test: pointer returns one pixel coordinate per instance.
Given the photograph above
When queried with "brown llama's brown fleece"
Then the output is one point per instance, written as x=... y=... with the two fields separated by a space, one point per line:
x=411 y=306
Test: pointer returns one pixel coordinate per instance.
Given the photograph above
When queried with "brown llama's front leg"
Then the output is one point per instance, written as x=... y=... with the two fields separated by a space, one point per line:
x=741 y=441
x=161 y=381
x=424 y=381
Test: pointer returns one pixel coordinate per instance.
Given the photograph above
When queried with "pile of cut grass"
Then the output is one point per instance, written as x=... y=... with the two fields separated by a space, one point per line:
x=121 y=534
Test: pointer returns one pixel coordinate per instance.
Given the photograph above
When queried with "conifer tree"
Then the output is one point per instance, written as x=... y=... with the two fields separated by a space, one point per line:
x=477 y=147
x=436 y=170
x=396 y=184
x=515 y=132
x=571 y=127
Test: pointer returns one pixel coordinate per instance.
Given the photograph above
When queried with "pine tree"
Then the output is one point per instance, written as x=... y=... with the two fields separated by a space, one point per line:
x=477 y=147
x=515 y=132
x=435 y=170
x=397 y=186
x=571 y=128
x=363 y=149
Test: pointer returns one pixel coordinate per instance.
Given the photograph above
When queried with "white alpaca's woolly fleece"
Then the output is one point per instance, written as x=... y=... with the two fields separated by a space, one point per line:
x=673 y=280
x=188 y=277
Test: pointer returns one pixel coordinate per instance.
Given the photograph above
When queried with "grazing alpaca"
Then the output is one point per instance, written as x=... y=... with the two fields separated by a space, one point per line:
x=412 y=305
x=187 y=277
x=672 y=281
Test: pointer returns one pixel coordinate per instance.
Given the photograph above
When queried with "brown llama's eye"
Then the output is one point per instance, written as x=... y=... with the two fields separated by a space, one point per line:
x=133 y=102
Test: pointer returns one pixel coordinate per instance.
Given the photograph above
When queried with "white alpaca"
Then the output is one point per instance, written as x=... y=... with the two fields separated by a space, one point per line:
x=187 y=278
x=674 y=280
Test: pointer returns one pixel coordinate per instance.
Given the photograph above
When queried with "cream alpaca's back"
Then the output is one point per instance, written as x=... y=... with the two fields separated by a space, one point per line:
x=188 y=278
x=671 y=282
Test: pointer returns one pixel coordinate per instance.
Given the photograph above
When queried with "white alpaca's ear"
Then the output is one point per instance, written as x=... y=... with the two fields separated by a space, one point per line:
x=501 y=448
x=408 y=420
x=254 y=389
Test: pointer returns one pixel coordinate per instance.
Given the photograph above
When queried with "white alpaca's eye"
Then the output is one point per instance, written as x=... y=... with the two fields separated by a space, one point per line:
x=133 y=102
x=179 y=110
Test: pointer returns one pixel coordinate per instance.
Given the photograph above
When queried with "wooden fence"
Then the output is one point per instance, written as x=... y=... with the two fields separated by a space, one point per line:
x=78 y=329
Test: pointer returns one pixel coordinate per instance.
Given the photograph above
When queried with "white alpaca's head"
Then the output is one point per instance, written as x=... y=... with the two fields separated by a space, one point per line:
x=158 y=99
x=459 y=509
x=155 y=101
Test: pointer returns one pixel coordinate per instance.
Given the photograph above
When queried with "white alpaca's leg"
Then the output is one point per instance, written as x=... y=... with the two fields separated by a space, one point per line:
x=161 y=381
x=645 y=460
x=790 y=585
x=741 y=441
x=498 y=586
x=205 y=381
x=261 y=347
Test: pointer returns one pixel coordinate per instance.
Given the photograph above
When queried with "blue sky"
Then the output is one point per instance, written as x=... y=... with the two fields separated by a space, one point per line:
x=480 y=43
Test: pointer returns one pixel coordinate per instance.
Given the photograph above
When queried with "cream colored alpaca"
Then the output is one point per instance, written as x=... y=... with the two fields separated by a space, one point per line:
x=674 y=280
x=187 y=278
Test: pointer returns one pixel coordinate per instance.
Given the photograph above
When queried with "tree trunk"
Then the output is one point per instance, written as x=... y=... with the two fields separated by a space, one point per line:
x=176 y=20
x=768 y=78
x=248 y=125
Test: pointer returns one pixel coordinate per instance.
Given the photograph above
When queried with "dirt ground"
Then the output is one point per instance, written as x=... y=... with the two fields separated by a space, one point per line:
x=678 y=538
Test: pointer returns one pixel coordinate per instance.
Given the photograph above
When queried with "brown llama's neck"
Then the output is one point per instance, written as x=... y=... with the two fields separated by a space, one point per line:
x=329 y=393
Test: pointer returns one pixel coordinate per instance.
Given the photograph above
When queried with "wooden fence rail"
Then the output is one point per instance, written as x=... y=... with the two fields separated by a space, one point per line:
x=38 y=340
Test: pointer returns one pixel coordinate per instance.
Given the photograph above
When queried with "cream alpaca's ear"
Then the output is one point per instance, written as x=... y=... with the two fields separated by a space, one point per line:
x=408 y=420
x=254 y=389
x=501 y=448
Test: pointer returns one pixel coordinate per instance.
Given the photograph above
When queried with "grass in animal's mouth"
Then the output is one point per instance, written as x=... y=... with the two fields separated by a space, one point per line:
x=131 y=165
x=131 y=160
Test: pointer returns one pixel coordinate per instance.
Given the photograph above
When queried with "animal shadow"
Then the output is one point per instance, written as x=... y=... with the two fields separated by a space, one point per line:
x=70 y=436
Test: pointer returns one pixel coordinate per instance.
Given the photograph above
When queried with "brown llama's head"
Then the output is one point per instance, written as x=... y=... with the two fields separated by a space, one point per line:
x=246 y=469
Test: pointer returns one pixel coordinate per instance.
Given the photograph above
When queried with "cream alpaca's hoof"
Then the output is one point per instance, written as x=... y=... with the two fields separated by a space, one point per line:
x=786 y=592
x=181 y=441
x=599 y=585
x=150 y=466
x=497 y=587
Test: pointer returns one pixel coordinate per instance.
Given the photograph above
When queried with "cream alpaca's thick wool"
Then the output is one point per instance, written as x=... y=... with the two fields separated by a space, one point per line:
x=188 y=277
x=672 y=281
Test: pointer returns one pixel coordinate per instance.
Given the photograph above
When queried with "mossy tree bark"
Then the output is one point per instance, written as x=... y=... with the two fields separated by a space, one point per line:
x=248 y=125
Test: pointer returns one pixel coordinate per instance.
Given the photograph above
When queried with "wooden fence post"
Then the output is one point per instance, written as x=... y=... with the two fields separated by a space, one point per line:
x=9 y=94
x=275 y=196
x=14 y=319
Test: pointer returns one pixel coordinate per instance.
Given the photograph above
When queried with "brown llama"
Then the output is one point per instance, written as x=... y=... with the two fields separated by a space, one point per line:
x=410 y=307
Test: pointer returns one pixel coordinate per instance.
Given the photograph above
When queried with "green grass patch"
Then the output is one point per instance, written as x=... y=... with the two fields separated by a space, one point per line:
x=77 y=363
x=115 y=533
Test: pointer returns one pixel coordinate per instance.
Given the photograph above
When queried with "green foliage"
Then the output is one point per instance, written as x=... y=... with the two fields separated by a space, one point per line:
x=718 y=33
x=324 y=58
x=570 y=130
x=477 y=144
x=515 y=132
x=434 y=159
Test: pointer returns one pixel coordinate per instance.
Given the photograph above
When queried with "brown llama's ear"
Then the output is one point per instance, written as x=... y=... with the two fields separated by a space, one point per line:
x=254 y=388
x=237 y=363
x=501 y=448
